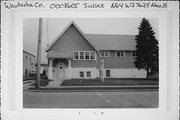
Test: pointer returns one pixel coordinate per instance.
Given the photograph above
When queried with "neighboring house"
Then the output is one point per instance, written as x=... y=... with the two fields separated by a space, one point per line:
x=28 y=64
x=74 y=54
x=44 y=69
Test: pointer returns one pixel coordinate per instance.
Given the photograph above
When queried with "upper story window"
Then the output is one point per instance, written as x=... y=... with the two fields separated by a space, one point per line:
x=87 y=55
x=120 y=54
x=76 y=56
x=93 y=55
x=133 y=53
x=105 y=54
x=84 y=55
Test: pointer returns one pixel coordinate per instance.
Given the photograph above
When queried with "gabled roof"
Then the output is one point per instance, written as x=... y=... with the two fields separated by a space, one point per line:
x=28 y=53
x=71 y=23
x=113 y=42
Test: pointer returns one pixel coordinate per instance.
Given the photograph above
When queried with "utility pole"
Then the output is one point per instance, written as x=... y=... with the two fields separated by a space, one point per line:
x=39 y=46
x=102 y=70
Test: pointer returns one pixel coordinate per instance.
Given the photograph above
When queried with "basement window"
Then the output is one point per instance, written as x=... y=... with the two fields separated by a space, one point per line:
x=108 y=73
x=88 y=74
x=81 y=74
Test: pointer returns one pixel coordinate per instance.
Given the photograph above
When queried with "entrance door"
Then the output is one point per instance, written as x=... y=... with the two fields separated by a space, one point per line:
x=61 y=70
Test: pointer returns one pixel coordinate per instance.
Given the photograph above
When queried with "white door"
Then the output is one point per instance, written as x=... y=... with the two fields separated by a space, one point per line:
x=61 y=70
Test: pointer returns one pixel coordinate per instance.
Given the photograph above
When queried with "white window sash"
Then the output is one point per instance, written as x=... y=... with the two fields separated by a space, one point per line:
x=84 y=55
x=105 y=54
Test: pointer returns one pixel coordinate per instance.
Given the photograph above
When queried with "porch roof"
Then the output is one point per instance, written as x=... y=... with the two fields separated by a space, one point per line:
x=59 y=54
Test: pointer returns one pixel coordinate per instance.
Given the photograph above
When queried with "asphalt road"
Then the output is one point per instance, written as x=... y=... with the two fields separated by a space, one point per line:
x=118 y=99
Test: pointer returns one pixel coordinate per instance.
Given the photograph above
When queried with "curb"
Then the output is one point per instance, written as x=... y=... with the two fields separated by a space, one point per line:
x=95 y=88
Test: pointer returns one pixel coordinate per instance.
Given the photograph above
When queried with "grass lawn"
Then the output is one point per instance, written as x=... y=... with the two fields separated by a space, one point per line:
x=109 y=81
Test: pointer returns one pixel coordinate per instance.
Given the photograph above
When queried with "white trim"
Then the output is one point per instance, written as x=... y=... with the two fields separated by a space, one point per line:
x=106 y=73
x=105 y=76
x=84 y=55
x=87 y=74
x=132 y=54
x=108 y=53
x=123 y=53
x=80 y=74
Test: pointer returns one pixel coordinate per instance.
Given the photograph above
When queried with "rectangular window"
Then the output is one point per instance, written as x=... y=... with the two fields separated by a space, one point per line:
x=76 y=56
x=120 y=54
x=87 y=56
x=88 y=74
x=100 y=73
x=128 y=53
x=105 y=54
x=81 y=74
x=92 y=55
x=82 y=55
x=108 y=73
x=133 y=53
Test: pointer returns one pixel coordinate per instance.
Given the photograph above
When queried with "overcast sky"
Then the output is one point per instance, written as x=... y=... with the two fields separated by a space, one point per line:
x=121 y=26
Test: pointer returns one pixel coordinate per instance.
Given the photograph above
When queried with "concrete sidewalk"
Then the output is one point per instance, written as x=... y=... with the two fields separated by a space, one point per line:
x=96 y=88
x=27 y=86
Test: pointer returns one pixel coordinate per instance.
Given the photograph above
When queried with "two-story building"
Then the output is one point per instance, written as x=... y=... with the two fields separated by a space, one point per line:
x=74 y=54
x=28 y=63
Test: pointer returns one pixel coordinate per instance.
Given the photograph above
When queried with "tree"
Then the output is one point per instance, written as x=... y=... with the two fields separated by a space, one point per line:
x=147 y=50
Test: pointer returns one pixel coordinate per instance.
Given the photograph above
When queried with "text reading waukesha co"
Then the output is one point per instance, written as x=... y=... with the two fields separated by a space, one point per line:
x=74 y=5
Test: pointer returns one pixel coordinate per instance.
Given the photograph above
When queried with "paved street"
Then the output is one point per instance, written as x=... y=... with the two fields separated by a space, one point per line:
x=115 y=99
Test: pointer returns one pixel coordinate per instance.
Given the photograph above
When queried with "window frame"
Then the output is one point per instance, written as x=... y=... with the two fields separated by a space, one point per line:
x=109 y=73
x=132 y=53
x=77 y=55
x=89 y=74
x=80 y=74
x=123 y=53
x=84 y=55
x=104 y=53
x=105 y=73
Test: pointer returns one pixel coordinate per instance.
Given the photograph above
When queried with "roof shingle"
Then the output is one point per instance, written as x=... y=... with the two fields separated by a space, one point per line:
x=113 y=42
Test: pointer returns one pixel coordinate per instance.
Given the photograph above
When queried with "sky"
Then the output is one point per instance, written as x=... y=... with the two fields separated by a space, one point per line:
x=53 y=26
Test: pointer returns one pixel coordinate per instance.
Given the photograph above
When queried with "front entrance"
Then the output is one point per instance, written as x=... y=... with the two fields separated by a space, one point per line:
x=61 y=70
